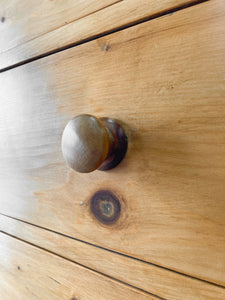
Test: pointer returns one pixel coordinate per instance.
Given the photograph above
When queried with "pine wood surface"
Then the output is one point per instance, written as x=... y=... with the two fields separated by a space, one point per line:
x=30 y=28
x=164 y=79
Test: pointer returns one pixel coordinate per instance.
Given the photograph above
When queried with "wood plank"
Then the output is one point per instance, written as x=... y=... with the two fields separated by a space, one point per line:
x=153 y=279
x=31 y=28
x=24 y=20
x=27 y=272
x=165 y=80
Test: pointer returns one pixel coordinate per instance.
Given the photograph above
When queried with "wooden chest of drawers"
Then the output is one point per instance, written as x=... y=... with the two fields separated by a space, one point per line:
x=159 y=69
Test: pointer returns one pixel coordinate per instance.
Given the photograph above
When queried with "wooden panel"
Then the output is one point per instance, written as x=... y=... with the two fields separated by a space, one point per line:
x=153 y=279
x=27 y=272
x=165 y=80
x=24 y=20
x=31 y=28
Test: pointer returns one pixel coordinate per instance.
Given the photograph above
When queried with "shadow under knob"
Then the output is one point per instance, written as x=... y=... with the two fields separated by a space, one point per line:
x=89 y=143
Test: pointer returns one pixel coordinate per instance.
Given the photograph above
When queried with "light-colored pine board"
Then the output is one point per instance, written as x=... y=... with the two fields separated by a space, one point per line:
x=165 y=80
x=22 y=21
x=27 y=272
x=153 y=279
x=32 y=28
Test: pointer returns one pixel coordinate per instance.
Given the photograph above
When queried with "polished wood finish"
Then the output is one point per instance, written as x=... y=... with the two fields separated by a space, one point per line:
x=165 y=80
x=31 y=28
x=31 y=273
x=86 y=143
x=151 y=278
x=89 y=143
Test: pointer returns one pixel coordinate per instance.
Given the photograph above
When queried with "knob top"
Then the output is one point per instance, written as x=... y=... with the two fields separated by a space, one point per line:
x=85 y=143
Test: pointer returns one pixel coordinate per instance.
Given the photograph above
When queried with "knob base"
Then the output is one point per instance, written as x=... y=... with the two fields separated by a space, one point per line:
x=119 y=147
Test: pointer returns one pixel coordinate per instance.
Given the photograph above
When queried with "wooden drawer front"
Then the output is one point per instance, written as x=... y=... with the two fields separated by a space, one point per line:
x=30 y=28
x=31 y=273
x=165 y=80
x=153 y=279
x=23 y=21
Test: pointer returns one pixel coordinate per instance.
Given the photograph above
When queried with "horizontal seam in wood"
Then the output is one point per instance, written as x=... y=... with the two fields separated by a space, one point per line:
x=81 y=265
x=58 y=27
x=115 y=252
x=100 y=35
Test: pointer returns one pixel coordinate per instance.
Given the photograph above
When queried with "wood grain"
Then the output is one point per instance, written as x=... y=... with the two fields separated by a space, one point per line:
x=27 y=272
x=31 y=28
x=23 y=20
x=153 y=279
x=164 y=80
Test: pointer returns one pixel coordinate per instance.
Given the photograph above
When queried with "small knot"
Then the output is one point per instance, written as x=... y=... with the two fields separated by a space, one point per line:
x=105 y=47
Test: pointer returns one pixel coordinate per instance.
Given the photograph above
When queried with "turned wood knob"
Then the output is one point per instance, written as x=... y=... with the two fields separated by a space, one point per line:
x=89 y=143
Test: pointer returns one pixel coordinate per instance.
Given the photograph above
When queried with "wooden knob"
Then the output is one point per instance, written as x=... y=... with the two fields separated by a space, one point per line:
x=89 y=143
